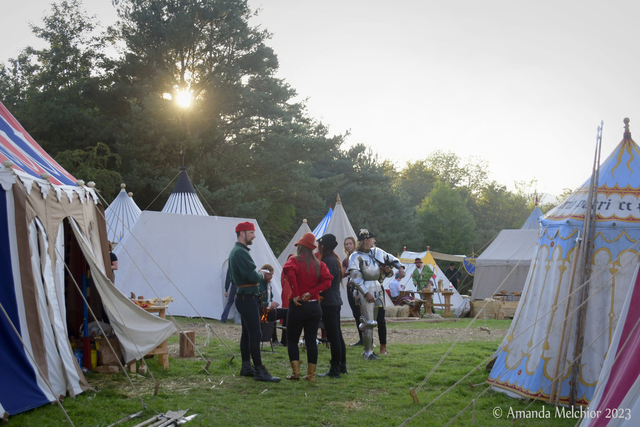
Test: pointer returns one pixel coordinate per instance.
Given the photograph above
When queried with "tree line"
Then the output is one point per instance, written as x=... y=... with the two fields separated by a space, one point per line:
x=104 y=104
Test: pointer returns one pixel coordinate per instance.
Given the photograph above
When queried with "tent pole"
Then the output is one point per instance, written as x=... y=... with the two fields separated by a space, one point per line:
x=585 y=274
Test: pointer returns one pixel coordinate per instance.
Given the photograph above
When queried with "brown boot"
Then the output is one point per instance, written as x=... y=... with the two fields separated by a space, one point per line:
x=311 y=372
x=383 y=349
x=295 y=366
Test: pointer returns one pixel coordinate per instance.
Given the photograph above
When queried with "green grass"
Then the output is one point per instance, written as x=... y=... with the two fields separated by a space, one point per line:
x=373 y=393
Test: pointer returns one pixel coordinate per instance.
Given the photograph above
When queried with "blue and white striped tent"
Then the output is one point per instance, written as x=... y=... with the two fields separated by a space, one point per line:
x=183 y=198
x=320 y=229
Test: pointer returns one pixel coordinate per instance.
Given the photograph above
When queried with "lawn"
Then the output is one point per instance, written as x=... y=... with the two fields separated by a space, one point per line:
x=374 y=393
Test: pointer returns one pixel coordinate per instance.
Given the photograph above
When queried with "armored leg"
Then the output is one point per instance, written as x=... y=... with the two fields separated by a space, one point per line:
x=367 y=326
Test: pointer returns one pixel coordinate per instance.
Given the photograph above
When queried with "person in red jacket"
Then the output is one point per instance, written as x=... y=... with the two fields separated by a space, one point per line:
x=307 y=277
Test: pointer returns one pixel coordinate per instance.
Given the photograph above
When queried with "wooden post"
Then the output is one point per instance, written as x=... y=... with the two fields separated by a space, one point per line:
x=187 y=338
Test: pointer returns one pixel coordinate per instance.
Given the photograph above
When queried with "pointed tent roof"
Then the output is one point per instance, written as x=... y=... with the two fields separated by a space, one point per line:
x=291 y=248
x=121 y=214
x=183 y=198
x=533 y=353
x=340 y=227
x=29 y=159
x=533 y=222
x=320 y=229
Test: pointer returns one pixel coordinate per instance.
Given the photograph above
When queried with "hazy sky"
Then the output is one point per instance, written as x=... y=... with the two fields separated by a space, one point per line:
x=523 y=85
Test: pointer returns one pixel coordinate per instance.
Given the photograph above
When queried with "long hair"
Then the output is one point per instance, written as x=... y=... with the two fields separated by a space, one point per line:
x=326 y=252
x=344 y=247
x=304 y=254
x=360 y=246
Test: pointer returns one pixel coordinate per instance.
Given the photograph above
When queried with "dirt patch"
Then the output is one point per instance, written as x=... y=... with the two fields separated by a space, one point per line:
x=395 y=334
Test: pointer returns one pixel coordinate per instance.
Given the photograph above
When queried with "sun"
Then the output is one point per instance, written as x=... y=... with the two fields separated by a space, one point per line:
x=183 y=98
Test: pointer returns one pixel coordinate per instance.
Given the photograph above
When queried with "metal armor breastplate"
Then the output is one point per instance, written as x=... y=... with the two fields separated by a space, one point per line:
x=366 y=264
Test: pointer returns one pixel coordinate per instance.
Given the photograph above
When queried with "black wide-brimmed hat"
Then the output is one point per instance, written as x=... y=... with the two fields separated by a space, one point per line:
x=365 y=234
x=329 y=241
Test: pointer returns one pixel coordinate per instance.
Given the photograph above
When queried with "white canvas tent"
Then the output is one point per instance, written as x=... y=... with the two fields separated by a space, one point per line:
x=535 y=358
x=340 y=227
x=505 y=262
x=183 y=198
x=291 y=248
x=44 y=214
x=121 y=215
x=186 y=257
x=407 y=259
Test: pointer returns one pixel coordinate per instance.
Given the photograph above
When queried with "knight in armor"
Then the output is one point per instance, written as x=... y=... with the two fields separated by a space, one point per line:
x=366 y=264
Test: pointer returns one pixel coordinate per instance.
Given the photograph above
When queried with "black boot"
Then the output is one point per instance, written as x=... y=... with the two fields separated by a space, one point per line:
x=343 y=369
x=247 y=370
x=334 y=372
x=357 y=343
x=263 y=375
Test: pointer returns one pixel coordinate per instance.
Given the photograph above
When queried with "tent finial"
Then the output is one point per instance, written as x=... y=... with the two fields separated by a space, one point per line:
x=627 y=132
x=304 y=221
x=123 y=185
x=338 y=199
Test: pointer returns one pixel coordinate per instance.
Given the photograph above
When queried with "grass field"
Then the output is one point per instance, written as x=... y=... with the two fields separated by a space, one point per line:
x=374 y=393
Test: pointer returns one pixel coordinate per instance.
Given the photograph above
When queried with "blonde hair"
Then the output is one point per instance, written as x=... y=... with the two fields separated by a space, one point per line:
x=360 y=246
x=305 y=255
x=344 y=246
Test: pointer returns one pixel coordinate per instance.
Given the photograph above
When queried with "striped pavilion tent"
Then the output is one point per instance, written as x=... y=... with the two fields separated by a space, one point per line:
x=121 y=215
x=183 y=199
x=52 y=234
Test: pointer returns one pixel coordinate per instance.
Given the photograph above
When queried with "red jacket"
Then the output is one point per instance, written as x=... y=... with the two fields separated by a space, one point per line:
x=303 y=281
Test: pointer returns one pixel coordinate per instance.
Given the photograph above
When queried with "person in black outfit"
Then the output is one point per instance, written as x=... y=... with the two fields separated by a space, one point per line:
x=349 y=247
x=453 y=274
x=230 y=293
x=331 y=304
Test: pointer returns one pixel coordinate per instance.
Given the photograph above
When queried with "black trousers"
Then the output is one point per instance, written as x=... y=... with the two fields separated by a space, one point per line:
x=281 y=313
x=249 y=308
x=331 y=321
x=355 y=309
x=307 y=316
x=382 y=326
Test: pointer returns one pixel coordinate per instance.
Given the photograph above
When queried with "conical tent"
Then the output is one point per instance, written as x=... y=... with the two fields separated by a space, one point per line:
x=183 y=198
x=43 y=220
x=340 y=227
x=533 y=222
x=540 y=344
x=291 y=247
x=320 y=229
x=121 y=215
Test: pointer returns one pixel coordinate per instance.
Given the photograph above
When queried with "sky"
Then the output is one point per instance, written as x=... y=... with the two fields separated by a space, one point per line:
x=521 y=84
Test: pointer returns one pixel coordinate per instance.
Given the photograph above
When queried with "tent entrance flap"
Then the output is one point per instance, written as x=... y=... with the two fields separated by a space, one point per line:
x=139 y=332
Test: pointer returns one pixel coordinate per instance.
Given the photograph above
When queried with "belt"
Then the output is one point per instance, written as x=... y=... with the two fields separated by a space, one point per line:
x=247 y=286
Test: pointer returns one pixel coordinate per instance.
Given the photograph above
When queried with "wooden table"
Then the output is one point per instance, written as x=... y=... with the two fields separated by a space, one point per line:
x=163 y=349
x=428 y=297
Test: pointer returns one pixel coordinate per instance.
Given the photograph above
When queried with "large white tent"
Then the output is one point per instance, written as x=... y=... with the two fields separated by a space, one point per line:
x=53 y=233
x=505 y=262
x=536 y=357
x=185 y=257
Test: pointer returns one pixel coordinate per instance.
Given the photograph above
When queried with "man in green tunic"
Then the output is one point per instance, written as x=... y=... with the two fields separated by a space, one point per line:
x=247 y=279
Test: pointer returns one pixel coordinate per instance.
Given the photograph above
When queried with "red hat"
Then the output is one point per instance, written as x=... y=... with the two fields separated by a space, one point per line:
x=308 y=240
x=245 y=226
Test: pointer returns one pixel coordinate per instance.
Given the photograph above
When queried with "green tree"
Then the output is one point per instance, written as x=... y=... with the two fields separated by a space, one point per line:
x=444 y=222
x=95 y=164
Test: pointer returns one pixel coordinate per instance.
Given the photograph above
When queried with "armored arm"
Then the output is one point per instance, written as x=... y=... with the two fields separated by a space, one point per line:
x=355 y=273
